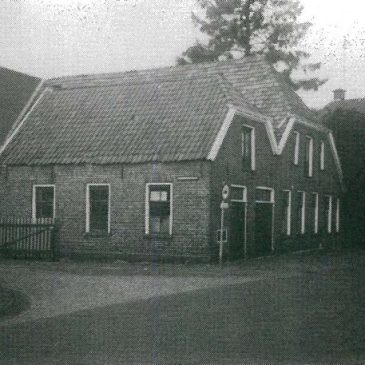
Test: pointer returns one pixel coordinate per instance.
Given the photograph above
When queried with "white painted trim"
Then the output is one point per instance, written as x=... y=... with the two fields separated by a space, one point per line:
x=23 y=116
x=310 y=157
x=288 y=213
x=245 y=233
x=302 y=222
x=221 y=134
x=336 y=158
x=147 y=206
x=272 y=139
x=337 y=215
x=34 y=208
x=296 y=148
x=253 y=145
x=322 y=156
x=286 y=135
x=87 y=205
x=329 y=216
x=187 y=178
x=316 y=212
x=272 y=194
x=244 y=195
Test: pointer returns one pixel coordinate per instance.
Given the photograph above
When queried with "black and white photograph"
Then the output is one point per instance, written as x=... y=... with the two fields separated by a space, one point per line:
x=182 y=182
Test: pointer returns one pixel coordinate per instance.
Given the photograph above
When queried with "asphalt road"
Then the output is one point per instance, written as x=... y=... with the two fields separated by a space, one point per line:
x=318 y=317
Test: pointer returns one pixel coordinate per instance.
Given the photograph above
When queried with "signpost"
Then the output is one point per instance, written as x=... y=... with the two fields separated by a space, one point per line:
x=224 y=205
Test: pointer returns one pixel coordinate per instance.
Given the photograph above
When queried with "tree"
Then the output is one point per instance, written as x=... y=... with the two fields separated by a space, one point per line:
x=239 y=28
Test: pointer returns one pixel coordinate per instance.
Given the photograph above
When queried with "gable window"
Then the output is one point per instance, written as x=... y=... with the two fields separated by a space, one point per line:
x=315 y=201
x=248 y=148
x=322 y=156
x=296 y=148
x=158 y=209
x=98 y=208
x=43 y=201
x=309 y=156
x=301 y=212
x=286 y=206
x=328 y=212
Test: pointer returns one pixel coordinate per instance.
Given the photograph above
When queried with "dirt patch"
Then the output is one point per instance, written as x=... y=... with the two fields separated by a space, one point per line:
x=12 y=302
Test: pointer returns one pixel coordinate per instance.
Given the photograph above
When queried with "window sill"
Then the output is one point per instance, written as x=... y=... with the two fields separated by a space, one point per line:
x=157 y=236
x=97 y=234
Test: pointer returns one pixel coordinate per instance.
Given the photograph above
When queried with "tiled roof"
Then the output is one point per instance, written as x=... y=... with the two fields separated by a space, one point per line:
x=168 y=114
x=349 y=104
x=15 y=90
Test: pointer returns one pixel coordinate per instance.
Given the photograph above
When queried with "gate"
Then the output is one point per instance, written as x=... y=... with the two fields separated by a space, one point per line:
x=28 y=238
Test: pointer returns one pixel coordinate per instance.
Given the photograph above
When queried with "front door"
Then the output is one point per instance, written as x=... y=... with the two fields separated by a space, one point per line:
x=263 y=229
x=237 y=230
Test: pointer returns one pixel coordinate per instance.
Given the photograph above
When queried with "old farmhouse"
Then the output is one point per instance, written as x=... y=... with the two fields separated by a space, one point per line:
x=133 y=164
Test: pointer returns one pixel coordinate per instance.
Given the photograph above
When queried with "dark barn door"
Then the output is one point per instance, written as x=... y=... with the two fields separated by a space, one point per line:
x=263 y=228
x=237 y=230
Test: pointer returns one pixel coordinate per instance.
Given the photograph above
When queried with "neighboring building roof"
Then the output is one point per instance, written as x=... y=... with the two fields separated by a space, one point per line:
x=168 y=114
x=15 y=90
x=347 y=104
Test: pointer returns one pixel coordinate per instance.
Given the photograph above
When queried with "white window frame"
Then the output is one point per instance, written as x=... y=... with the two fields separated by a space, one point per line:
x=337 y=215
x=272 y=194
x=34 y=207
x=244 y=193
x=302 y=223
x=316 y=212
x=87 y=226
x=147 y=206
x=310 y=157
x=329 y=216
x=288 y=212
x=296 y=148
x=322 y=156
x=253 y=145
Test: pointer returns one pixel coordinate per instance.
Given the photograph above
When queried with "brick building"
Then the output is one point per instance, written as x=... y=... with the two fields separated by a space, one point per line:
x=133 y=164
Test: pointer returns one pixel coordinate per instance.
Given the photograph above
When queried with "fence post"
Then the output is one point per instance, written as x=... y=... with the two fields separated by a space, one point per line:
x=54 y=242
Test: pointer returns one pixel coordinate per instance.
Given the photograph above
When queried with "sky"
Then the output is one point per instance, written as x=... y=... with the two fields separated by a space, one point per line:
x=50 y=38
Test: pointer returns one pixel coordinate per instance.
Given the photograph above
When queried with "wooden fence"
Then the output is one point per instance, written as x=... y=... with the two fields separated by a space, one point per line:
x=28 y=238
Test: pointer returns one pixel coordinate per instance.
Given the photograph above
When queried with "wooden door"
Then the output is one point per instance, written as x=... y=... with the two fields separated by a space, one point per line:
x=263 y=228
x=237 y=230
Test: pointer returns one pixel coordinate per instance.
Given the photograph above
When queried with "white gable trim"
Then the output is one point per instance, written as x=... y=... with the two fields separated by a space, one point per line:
x=336 y=158
x=286 y=134
x=221 y=134
x=23 y=116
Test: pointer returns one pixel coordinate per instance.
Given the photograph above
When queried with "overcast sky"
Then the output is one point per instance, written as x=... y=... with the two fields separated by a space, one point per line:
x=48 y=38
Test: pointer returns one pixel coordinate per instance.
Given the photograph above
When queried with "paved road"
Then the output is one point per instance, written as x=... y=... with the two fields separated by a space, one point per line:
x=317 y=317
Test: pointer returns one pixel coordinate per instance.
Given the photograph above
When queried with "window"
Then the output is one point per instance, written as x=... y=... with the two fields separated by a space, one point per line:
x=338 y=216
x=296 y=148
x=248 y=148
x=238 y=193
x=98 y=208
x=309 y=156
x=328 y=212
x=264 y=195
x=322 y=156
x=43 y=201
x=314 y=204
x=301 y=212
x=286 y=206
x=159 y=209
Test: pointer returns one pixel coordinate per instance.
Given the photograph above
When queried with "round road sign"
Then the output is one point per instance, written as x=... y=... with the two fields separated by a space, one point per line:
x=225 y=192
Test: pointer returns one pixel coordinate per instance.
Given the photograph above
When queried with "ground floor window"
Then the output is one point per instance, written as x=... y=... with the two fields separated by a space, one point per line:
x=43 y=201
x=301 y=212
x=98 y=208
x=314 y=207
x=159 y=209
x=286 y=207
x=328 y=212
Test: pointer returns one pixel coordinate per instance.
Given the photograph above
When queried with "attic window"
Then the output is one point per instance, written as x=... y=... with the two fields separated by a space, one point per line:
x=248 y=148
x=322 y=156
x=296 y=148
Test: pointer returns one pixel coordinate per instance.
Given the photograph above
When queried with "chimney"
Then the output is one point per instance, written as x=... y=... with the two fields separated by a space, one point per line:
x=339 y=94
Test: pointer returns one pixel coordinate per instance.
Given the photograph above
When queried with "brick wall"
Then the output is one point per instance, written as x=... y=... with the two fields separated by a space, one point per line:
x=190 y=236
x=279 y=173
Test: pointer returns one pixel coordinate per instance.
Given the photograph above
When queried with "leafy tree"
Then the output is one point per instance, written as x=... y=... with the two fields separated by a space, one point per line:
x=238 y=28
